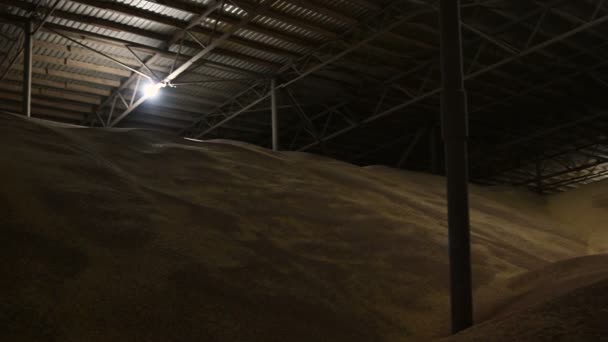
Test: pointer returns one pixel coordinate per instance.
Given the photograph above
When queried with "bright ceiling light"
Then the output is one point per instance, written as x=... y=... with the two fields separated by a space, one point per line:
x=152 y=89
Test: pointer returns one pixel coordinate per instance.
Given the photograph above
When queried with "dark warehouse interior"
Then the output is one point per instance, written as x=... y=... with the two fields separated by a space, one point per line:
x=301 y=170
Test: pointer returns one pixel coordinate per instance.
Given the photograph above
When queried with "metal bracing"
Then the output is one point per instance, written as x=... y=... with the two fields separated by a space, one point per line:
x=98 y=38
x=120 y=8
x=540 y=133
x=27 y=50
x=579 y=166
x=361 y=157
x=69 y=75
x=537 y=89
x=572 y=157
x=145 y=49
x=232 y=20
x=195 y=8
x=250 y=15
x=468 y=77
x=410 y=147
x=563 y=185
x=531 y=138
x=29 y=36
x=526 y=91
x=538 y=30
x=547 y=84
x=306 y=120
x=152 y=70
x=235 y=110
x=385 y=21
x=106 y=56
x=327 y=110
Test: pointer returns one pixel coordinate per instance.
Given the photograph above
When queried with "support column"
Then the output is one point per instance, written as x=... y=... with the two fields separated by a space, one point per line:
x=275 y=119
x=28 y=45
x=455 y=133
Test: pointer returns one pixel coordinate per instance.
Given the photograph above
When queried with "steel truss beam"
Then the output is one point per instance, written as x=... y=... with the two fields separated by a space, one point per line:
x=583 y=166
x=228 y=19
x=557 y=186
x=124 y=9
x=428 y=66
x=410 y=147
x=207 y=49
x=385 y=21
x=541 y=133
x=29 y=35
x=484 y=37
x=565 y=161
x=124 y=63
x=468 y=77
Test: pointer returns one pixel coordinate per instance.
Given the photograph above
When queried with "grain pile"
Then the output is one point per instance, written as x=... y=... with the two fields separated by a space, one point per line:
x=129 y=235
x=585 y=214
x=565 y=301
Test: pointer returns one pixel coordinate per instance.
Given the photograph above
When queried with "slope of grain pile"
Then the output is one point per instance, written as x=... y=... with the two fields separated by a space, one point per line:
x=585 y=214
x=128 y=235
x=564 y=301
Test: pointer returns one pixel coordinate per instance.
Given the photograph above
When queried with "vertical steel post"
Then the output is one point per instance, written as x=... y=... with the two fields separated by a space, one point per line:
x=275 y=119
x=455 y=133
x=28 y=45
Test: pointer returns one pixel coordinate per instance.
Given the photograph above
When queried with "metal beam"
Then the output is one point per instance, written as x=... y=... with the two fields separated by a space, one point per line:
x=410 y=147
x=541 y=133
x=146 y=48
x=106 y=56
x=428 y=64
x=575 y=180
x=598 y=161
x=303 y=67
x=470 y=76
x=187 y=64
x=214 y=33
x=232 y=20
x=32 y=32
x=576 y=149
x=180 y=25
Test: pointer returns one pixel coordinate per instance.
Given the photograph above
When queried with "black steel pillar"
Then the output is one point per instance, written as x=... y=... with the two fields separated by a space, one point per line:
x=275 y=119
x=28 y=45
x=455 y=133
